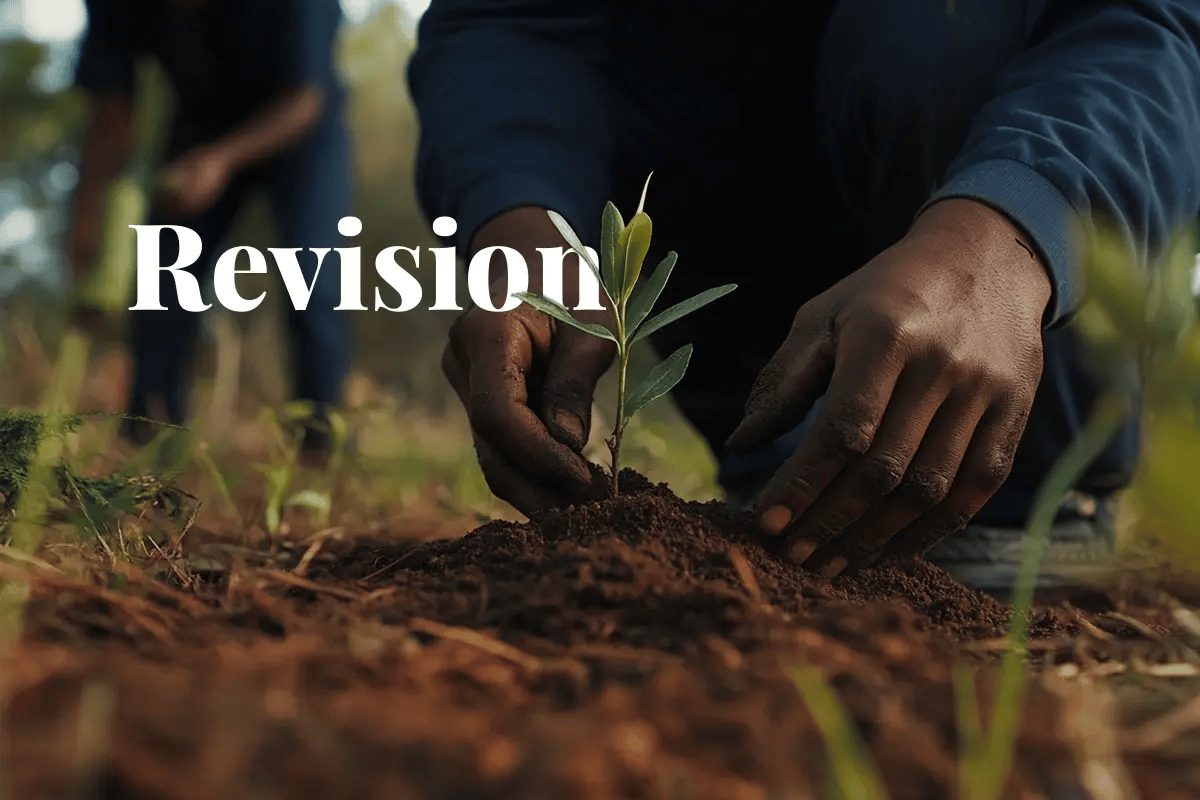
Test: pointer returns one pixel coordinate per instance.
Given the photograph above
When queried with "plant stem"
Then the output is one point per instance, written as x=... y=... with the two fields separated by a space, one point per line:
x=1065 y=473
x=614 y=445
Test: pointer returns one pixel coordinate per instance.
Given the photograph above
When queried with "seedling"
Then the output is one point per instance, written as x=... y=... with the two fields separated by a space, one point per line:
x=623 y=249
x=281 y=472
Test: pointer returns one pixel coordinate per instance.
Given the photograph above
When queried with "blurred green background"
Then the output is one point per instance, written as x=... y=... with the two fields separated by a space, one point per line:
x=397 y=355
x=41 y=128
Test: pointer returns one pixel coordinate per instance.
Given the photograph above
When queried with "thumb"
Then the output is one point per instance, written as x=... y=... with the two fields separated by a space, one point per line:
x=576 y=363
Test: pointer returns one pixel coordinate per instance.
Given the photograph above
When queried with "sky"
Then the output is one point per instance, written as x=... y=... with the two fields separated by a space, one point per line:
x=64 y=20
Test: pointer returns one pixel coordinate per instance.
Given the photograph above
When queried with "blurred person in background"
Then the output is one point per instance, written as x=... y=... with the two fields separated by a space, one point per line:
x=258 y=107
x=897 y=186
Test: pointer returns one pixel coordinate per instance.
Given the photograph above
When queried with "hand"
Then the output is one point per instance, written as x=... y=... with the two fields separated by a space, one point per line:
x=932 y=354
x=194 y=181
x=527 y=381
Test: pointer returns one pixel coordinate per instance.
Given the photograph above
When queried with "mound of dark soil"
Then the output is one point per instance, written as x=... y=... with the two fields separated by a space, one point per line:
x=640 y=647
x=650 y=570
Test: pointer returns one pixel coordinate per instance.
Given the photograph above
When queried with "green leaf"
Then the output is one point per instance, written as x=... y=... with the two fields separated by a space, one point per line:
x=645 y=299
x=636 y=245
x=311 y=498
x=611 y=226
x=1172 y=308
x=572 y=238
x=1164 y=491
x=560 y=313
x=682 y=309
x=298 y=411
x=1114 y=281
x=278 y=479
x=661 y=380
x=645 y=188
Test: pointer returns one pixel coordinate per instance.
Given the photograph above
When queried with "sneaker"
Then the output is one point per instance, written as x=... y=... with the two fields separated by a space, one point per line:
x=1082 y=546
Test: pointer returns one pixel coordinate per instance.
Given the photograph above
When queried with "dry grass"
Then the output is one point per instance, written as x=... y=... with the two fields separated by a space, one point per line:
x=1130 y=701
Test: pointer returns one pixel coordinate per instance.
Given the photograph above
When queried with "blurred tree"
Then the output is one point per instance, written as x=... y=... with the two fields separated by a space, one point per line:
x=35 y=123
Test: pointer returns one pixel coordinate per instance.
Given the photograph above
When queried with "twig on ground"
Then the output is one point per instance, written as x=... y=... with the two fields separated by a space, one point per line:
x=745 y=573
x=476 y=639
x=303 y=583
x=314 y=549
x=1162 y=730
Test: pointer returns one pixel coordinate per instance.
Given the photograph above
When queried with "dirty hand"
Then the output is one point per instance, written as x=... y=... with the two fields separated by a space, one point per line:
x=192 y=183
x=928 y=358
x=527 y=381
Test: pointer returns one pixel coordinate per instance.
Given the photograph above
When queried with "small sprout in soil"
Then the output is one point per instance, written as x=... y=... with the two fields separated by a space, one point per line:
x=623 y=249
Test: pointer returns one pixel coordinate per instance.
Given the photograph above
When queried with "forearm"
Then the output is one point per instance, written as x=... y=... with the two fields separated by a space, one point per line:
x=108 y=143
x=1096 y=122
x=282 y=123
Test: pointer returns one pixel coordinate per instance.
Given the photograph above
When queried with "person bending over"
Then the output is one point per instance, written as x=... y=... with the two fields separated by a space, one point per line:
x=898 y=187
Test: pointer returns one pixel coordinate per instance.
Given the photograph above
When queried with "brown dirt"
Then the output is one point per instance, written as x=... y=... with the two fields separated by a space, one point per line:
x=635 y=648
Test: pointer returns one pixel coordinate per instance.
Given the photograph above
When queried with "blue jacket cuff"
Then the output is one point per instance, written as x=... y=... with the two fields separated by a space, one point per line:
x=1036 y=206
x=505 y=192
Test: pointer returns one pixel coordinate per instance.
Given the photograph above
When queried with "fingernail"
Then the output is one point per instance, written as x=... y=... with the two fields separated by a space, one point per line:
x=834 y=567
x=775 y=519
x=801 y=551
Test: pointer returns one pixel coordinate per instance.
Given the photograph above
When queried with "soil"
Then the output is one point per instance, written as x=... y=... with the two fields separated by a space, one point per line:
x=638 y=647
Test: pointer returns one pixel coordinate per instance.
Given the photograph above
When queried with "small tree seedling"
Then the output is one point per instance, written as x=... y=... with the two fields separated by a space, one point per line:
x=623 y=249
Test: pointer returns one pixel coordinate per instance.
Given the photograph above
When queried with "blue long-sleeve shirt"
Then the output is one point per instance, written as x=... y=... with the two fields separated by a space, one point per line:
x=1098 y=118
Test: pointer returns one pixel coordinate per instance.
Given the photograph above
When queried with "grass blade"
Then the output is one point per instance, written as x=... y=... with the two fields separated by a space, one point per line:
x=1066 y=472
x=560 y=313
x=33 y=501
x=848 y=756
x=682 y=309
x=972 y=770
x=658 y=382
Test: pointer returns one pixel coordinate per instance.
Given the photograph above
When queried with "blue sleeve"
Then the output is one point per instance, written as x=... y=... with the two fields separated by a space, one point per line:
x=106 y=58
x=512 y=111
x=304 y=34
x=1097 y=120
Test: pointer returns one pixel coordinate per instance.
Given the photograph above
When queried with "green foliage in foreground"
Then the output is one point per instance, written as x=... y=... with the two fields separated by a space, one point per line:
x=623 y=249
x=91 y=501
